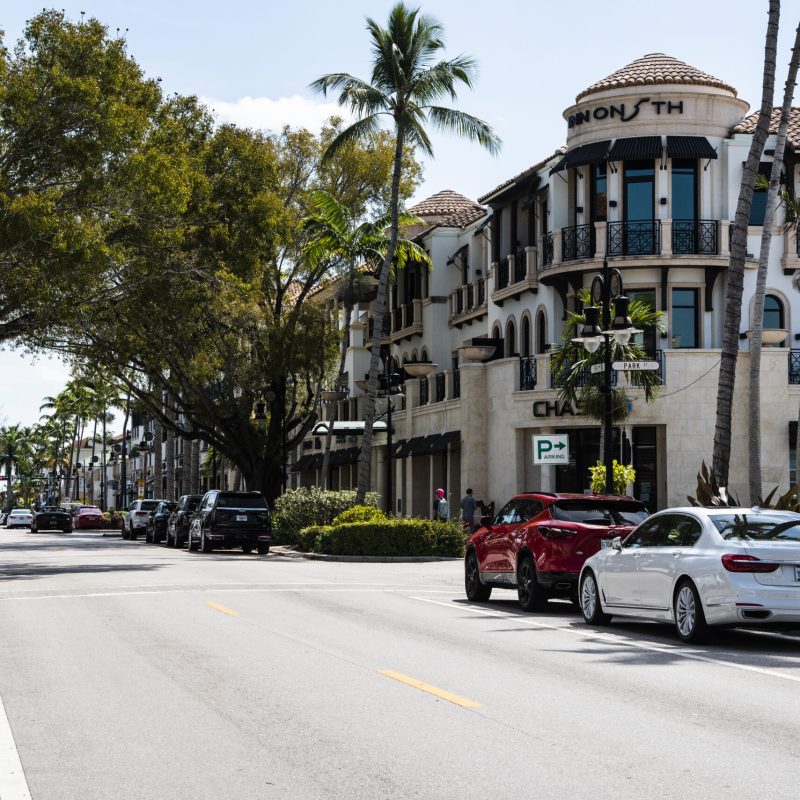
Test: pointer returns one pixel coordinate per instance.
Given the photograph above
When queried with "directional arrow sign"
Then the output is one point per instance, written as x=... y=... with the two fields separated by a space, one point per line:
x=635 y=366
x=552 y=448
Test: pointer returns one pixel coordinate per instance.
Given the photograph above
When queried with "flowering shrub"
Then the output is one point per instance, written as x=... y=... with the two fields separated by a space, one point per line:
x=360 y=514
x=623 y=475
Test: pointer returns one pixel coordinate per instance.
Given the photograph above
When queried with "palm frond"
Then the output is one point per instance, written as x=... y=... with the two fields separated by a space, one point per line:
x=466 y=126
x=362 y=129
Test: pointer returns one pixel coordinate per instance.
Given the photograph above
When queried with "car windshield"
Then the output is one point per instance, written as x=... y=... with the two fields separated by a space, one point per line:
x=241 y=501
x=758 y=527
x=19 y=512
x=149 y=505
x=192 y=503
x=597 y=512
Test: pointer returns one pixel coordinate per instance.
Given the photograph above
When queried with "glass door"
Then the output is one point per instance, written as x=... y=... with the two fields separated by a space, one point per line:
x=639 y=207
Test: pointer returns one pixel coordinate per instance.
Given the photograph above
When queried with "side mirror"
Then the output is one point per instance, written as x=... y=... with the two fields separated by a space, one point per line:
x=616 y=543
x=486 y=522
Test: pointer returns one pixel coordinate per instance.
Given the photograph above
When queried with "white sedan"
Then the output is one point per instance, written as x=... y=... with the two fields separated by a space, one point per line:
x=19 y=518
x=698 y=567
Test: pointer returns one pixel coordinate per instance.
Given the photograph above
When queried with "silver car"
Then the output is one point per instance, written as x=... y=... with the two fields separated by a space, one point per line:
x=19 y=518
x=699 y=567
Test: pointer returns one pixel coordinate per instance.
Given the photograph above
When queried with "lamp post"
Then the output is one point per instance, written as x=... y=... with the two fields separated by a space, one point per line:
x=607 y=290
x=388 y=382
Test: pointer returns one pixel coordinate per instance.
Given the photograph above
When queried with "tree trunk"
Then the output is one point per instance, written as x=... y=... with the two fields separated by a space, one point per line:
x=103 y=475
x=733 y=303
x=365 y=459
x=94 y=447
x=194 y=468
x=158 y=453
x=170 y=450
x=754 y=428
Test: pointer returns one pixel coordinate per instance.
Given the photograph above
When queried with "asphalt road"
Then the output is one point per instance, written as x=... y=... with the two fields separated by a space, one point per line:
x=133 y=671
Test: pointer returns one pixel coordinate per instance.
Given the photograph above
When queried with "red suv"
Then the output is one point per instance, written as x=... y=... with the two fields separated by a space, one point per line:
x=538 y=542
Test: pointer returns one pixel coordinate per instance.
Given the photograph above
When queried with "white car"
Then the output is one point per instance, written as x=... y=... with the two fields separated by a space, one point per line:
x=699 y=567
x=19 y=518
x=137 y=516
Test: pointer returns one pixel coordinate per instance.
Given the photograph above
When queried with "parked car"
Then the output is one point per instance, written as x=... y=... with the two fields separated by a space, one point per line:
x=88 y=517
x=19 y=518
x=137 y=516
x=181 y=517
x=3 y=517
x=538 y=541
x=231 y=519
x=156 y=529
x=699 y=568
x=52 y=518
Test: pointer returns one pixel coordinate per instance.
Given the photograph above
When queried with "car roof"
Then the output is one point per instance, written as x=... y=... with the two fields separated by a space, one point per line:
x=577 y=496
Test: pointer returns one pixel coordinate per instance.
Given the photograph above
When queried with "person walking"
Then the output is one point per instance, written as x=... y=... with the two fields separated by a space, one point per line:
x=441 y=510
x=468 y=506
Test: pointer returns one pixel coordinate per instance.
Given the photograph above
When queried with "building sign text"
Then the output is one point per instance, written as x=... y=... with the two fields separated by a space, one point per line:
x=624 y=113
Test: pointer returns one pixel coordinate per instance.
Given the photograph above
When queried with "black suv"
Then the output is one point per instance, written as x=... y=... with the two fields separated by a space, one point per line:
x=178 y=525
x=156 y=530
x=231 y=519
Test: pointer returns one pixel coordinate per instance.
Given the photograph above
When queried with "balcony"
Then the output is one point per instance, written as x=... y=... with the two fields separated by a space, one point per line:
x=577 y=242
x=406 y=320
x=695 y=237
x=468 y=303
x=369 y=329
x=514 y=275
x=527 y=373
x=639 y=238
x=794 y=367
x=547 y=250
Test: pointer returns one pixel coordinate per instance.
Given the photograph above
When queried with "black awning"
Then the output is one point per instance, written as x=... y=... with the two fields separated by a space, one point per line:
x=645 y=148
x=444 y=442
x=689 y=147
x=302 y=463
x=592 y=153
x=347 y=456
x=410 y=447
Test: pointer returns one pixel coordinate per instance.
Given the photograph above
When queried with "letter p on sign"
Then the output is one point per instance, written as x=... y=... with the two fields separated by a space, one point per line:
x=550 y=448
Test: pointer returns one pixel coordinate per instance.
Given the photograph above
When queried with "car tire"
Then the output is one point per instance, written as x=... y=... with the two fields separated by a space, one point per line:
x=192 y=544
x=67 y=530
x=205 y=544
x=34 y=530
x=690 y=621
x=147 y=537
x=263 y=549
x=247 y=548
x=590 y=606
x=133 y=536
x=530 y=595
x=476 y=591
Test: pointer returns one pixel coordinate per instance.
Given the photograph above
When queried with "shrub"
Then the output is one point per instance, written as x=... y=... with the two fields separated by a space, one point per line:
x=308 y=538
x=115 y=518
x=360 y=514
x=301 y=508
x=623 y=475
x=388 y=537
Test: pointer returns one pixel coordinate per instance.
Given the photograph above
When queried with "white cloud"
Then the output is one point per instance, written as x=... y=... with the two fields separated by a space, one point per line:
x=264 y=113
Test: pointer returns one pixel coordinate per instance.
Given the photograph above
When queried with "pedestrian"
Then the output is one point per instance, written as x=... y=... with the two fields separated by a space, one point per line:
x=468 y=506
x=441 y=510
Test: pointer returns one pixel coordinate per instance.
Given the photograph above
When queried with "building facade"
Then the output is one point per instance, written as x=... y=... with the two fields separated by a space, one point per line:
x=648 y=179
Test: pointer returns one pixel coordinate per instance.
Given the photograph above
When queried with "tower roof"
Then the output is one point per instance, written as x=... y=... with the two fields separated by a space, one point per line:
x=653 y=69
x=451 y=209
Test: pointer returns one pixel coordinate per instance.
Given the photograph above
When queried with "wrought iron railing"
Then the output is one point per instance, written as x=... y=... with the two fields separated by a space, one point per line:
x=409 y=313
x=441 y=393
x=640 y=238
x=470 y=295
x=557 y=382
x=459 y=302
x=456 y=383
x=547 y=249
x=397 y=319
x=520 y=266
x=794 y=366
x=501 y=278
x=481 y=291
x=423 y=391
x=695 y=237
x=527 y=372
x=577 y=242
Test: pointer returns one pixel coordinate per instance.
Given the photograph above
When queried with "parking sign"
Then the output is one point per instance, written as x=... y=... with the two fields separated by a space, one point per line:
x=551 y=448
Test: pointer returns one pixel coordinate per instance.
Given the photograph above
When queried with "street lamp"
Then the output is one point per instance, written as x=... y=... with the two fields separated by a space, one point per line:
x=606 y=290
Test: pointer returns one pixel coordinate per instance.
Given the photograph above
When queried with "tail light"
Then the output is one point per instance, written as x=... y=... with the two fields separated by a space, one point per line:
x=738 y=562
x=559 y=534
x=141 y=513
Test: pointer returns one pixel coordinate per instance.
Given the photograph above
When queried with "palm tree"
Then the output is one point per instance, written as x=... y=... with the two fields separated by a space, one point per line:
x=405 y=85
x=735 y=286
x=14 y=444
x=754 y=433
x=354 y=249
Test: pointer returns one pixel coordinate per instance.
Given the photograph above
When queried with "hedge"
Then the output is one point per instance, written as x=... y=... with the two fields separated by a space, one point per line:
x=391 y=537
x=300 y=508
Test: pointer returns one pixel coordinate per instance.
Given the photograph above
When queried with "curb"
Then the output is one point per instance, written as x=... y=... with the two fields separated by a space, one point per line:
x=362 y=559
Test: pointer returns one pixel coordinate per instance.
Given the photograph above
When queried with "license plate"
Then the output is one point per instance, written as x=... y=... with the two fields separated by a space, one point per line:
x=605 y=543
x=797 y=573
x=241 y=517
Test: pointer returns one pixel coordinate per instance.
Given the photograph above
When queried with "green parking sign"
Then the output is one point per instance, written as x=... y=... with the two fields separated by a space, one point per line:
x=551 y=448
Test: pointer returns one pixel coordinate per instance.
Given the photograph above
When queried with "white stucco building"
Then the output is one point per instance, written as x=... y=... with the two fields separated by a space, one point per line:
x=649 y=178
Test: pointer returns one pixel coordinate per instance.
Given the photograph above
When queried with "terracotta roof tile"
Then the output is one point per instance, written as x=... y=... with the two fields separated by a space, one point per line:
x=453 y=209
x=748 y=125
x=655 y=68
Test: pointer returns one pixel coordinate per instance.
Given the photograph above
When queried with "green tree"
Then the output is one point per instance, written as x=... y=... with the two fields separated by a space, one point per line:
x=14 y=447
x=405 y=86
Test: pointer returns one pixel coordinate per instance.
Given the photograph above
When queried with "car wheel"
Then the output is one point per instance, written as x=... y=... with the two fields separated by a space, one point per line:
x=263 y=549
x=67 y=530
x=590 y=602
x=205 y=544
x=34 y=530
x=690 y=621
x=147 y=536
x=133 y=536
x=125 y=533
x=192 y=543
x=247 y=548
x=530 y=595
x=476 y=591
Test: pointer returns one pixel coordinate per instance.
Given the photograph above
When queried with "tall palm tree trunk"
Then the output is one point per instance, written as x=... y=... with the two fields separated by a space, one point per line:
x=170 y=451
x=733 y=303
x=94 y=447
x=194 y=468
x=104 y=478
x=754 y=427
x=365 y=459
x=158 y=454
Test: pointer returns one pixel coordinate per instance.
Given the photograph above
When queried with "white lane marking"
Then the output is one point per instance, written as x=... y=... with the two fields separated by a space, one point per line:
x=589 y=634
x=13 y=785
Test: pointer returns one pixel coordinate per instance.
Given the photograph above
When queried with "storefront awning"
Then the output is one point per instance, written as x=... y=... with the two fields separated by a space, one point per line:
x=592 y=153
x=646 y=148
x=434 y=444
x=689 y=147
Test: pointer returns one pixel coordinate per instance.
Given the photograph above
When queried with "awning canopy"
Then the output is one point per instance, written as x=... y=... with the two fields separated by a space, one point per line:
x=689 y=147
x=435 y=444
x=592 y=153
x=353 y=427
x=646 y=148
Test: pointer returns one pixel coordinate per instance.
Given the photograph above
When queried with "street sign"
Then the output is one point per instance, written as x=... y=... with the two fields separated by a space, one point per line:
x=551 y=448
x=595 y=368
x=635 y=366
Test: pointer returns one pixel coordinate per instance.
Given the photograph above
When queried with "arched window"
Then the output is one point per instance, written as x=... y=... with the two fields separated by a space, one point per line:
x=414 y=355
x=773 y=312
x=405 y=358
x=496 y=331
x=511 y=338
x=424 y=355
x=525 y=338
x=541 y=332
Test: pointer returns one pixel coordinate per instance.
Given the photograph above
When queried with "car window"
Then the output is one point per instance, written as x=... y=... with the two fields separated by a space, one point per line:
x=645 y=535
x=758 y=526
x=599 y=512
x=192 y=503
x=527 y=509
x=208 y=501
x=507 y=514
x=149 y=505
x=241 y=501
x=682 y=531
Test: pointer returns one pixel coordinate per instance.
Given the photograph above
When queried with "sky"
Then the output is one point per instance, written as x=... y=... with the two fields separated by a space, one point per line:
x=253 y=62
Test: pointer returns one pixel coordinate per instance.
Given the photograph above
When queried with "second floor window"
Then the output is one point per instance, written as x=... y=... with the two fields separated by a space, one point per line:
x=685 y=318
x=599 y=192
x=684 y=188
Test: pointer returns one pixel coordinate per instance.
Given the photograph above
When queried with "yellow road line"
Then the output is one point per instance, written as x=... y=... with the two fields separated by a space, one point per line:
x=426 y=687
x=224 y=610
